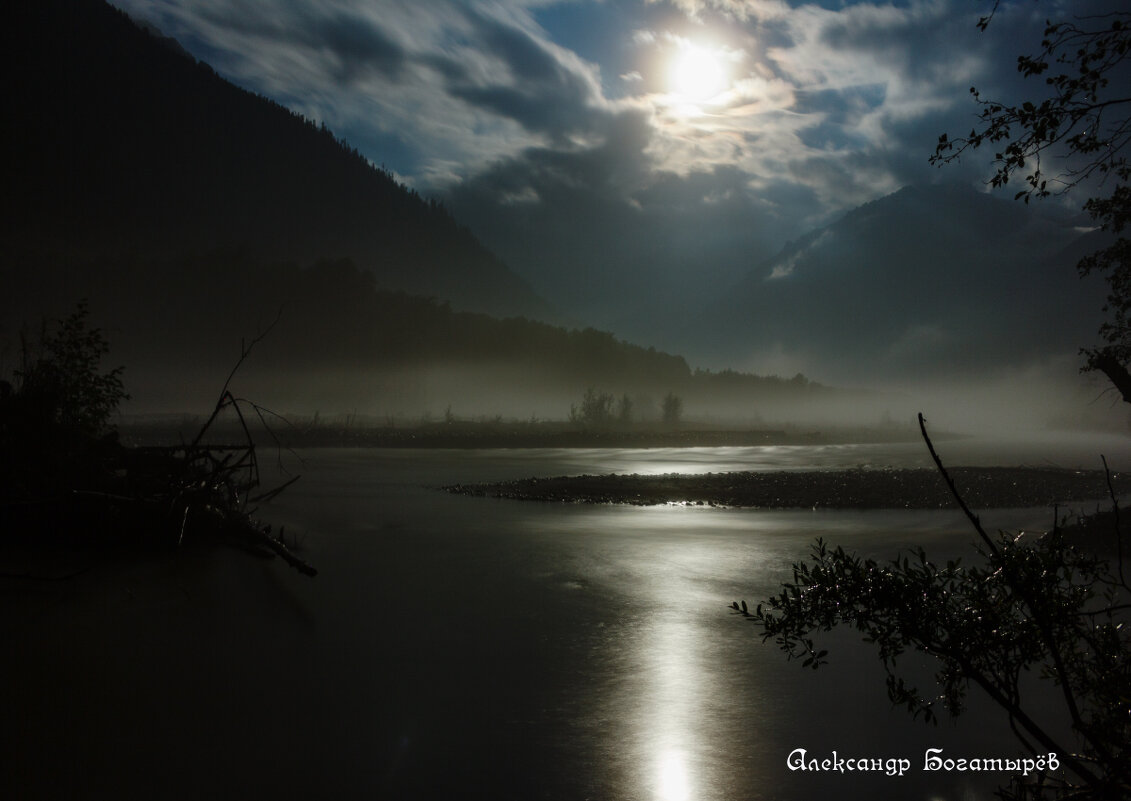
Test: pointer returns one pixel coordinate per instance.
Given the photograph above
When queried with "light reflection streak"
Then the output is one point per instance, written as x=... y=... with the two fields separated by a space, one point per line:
x=684 y=695
x=674 y=784
x=670 y=697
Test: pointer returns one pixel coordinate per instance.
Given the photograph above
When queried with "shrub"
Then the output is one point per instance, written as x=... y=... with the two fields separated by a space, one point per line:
x=596 y=409
x=62 y=386
x=1046 y=608
x=624 y=410
x=672 y=409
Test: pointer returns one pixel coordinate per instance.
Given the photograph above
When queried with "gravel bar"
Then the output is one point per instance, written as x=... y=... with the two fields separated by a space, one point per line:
x=859 y=488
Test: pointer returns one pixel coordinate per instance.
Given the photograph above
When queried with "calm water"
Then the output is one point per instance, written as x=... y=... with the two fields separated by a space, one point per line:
x=457 y=647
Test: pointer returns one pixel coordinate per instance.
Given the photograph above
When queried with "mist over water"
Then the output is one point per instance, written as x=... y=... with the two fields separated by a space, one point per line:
x=1018 y=405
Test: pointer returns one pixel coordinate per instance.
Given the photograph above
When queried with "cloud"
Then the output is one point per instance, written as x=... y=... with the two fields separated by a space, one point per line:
x=455 y=83
x=544 y=88
x=847 y=101
x=735 y=9
x=457 y=86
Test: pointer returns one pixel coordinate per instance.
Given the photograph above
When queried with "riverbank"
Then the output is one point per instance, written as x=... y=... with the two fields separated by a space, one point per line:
x=906 y=488
x=299 y=433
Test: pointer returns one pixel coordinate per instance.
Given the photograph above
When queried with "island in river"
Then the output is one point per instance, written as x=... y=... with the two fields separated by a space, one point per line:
x=858 y=488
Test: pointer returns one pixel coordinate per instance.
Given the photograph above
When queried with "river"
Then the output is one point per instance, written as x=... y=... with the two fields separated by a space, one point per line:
x=458 y=647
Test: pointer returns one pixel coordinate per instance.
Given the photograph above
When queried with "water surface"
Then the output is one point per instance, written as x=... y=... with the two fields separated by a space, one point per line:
x=458 y=647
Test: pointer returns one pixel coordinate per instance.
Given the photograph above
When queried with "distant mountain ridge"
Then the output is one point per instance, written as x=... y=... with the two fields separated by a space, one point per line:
x=920 y=281
x=121 y=144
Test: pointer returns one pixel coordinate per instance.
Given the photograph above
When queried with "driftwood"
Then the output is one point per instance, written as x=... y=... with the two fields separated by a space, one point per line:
x=201 y=489
x=212 y=485
x=206 y=489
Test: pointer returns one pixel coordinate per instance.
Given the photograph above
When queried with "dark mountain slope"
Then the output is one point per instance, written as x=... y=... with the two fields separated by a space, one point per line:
x=921 y=281
x=118 y=143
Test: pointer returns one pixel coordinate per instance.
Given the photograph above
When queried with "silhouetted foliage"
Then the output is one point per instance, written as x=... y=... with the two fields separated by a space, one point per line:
x=671 y=409
x=1047 y=607
x=61 y=383
x=596 y=409
x=624 y=410
x=55 y=416
x=55 y=430
x=1085 y=121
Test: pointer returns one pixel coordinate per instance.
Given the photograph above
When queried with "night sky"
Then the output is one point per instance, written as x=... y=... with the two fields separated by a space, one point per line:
x=792 y=113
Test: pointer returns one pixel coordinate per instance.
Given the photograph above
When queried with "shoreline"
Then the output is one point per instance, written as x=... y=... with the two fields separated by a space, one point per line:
x=488 y=435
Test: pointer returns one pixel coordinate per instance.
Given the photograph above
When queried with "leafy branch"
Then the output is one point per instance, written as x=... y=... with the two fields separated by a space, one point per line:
x=1085 y=122
x=1047 y=606
x=1080 y=118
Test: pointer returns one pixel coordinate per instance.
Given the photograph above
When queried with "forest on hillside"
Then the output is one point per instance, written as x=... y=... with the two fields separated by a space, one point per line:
x=383 y=351
x=126 y=145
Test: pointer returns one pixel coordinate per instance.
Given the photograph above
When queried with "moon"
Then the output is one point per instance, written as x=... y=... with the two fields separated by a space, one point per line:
x=696 y=74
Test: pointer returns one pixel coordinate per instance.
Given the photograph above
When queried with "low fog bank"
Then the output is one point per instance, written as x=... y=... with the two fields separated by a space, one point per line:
x=338 y=348
x=1012 y=403
x=1053 y=395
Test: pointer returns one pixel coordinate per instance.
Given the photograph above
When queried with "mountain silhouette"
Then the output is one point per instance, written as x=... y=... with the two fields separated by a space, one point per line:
x=122 y=146
x=923 y=281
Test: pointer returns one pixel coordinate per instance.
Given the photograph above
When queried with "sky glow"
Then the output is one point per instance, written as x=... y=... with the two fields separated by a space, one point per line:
x=838 y=104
